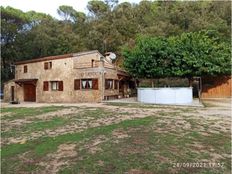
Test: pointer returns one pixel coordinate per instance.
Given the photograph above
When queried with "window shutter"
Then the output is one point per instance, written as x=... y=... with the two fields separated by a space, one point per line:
x=46 y=65
x=60 y=86
x=50 y=63
x=95 y=84
x=77 y=83
x=45 y=85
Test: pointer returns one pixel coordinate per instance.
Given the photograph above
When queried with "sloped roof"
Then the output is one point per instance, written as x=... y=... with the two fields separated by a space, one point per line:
x=57 y=57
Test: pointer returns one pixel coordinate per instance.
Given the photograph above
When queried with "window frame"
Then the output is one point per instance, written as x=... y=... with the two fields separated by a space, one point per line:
x=78 y=84
x=25 y=69
x=57 y=85
x=109 y=87
x=47 y=65
x=92 y=63
x=87 y=80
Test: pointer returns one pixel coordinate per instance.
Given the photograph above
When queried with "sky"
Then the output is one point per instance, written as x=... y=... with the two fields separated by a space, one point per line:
x=50 y=6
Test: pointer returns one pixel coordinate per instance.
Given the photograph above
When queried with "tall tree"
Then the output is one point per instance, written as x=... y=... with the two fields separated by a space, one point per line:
x=13 y=24
x=187 y=55
x=201 y=54
x=107 y=27
x=68 y=13
x=97 y=8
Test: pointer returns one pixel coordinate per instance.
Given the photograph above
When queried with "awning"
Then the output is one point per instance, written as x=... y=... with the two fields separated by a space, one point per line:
x=123 y=77
x=25 y=81
x=122 y=73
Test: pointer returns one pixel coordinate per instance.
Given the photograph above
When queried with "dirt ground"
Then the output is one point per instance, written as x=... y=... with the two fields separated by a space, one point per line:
x=215 y=108
x=76 y=118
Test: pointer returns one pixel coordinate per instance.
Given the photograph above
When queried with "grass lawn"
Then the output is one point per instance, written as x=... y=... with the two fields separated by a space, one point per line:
x=114 y=138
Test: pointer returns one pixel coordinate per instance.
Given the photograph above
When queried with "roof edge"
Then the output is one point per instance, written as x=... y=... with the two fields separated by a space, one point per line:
x=86 y=53
x=56 y=57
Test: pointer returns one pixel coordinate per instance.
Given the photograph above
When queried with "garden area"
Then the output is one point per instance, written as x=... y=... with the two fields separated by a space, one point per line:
x=116 y=138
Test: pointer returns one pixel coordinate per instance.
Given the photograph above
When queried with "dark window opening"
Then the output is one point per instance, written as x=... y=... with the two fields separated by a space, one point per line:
x=92 y=63
x=109 y=84
x=47 y=65
x=25 y=69
x=86 y=84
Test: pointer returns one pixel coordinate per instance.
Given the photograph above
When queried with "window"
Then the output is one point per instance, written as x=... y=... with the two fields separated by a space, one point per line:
x=86 y=84
x=47 y=65
x=57 y=85
x=25 y=69
x=108 y=84
x=92 y=63
x=115 y=84
x=45 y=85
x=54 y=86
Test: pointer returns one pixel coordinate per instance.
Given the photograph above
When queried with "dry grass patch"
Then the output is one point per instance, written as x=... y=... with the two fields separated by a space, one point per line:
x=117 y=139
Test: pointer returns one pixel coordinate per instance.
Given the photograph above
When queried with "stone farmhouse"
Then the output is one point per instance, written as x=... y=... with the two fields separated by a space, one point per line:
x=78 y=77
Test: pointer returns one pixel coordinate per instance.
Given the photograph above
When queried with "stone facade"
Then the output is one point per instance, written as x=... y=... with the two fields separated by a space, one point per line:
x=65 y=68
x=7 y=90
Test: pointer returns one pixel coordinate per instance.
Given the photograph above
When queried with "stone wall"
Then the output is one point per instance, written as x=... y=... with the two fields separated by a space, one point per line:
x=66 y=70
x=7 y=90
x=60 y=71
x=87 y=95
x=86 y=61
x=111 y=74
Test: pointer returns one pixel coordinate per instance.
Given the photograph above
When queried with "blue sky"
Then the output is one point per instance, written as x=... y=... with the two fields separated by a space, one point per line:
x=50 y=6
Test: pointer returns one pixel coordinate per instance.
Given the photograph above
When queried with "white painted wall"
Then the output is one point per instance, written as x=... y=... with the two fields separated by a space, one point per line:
x=165 y=95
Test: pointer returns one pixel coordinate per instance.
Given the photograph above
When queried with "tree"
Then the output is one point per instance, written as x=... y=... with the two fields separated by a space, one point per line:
x=200 y=54
x=13 y=24
x=97 y=8
x=67 y=13
x=187 y=55
x=49 y=38
x=108 y=26
x=111 y=3
x=148 y=59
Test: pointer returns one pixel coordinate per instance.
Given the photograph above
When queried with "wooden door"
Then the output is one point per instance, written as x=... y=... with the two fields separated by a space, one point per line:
x=29 y=92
